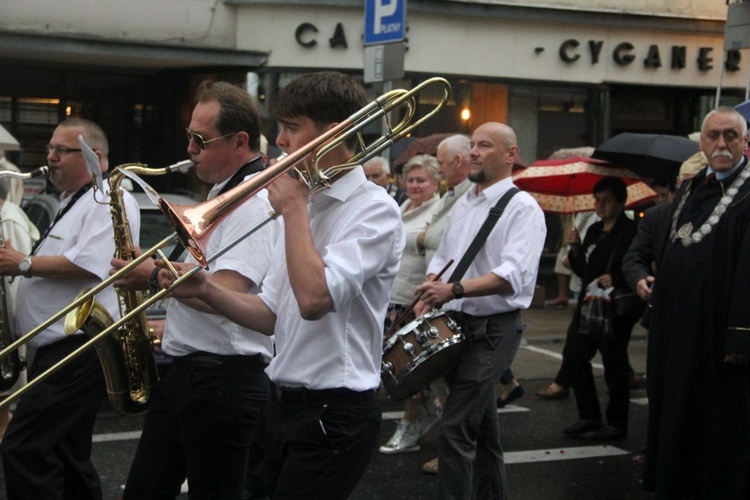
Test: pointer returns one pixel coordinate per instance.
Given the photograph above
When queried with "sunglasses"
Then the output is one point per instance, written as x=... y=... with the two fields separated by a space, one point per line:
x=200 y=141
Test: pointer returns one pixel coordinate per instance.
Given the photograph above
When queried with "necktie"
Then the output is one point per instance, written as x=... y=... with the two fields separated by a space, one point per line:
x=708 y=179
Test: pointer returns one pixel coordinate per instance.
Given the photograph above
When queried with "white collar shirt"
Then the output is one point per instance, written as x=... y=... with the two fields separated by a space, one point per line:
x=512 y=250
x=85 y=237
x=357 y=229
x=188 y=330
x=439 y=216
x=413 y=268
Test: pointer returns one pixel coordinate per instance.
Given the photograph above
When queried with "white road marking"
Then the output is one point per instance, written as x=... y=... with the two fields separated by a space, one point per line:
x=116 y=436
x=553 y=354
x=555 y=455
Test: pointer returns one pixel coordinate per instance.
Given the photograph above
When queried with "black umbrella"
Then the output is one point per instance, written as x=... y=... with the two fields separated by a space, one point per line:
x=652 y=156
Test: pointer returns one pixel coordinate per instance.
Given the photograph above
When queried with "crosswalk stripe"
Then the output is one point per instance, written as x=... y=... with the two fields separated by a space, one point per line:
x=553 y=354
x=116 y=436
x=555 y=455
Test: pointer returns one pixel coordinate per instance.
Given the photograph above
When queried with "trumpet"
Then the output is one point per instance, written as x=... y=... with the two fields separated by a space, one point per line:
x=194 y=224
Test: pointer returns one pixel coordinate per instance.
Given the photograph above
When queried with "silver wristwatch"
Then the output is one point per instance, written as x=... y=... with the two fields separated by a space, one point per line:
x=25 y=267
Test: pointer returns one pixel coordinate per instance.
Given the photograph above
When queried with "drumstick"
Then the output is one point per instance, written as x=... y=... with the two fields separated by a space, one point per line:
x=406 y=311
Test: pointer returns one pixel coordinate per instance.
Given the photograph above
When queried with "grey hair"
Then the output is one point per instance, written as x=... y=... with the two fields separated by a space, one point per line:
x=458 y=144
x=726 y=110
x=379 y=160
x=429 y=163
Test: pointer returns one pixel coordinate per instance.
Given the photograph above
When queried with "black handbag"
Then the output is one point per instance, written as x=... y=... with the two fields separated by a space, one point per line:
x=627 y=304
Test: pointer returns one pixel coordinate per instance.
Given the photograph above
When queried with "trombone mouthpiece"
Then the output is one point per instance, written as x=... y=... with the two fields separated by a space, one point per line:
x=182 y=166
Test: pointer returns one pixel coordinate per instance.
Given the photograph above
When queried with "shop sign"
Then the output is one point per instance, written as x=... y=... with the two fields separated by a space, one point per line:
x=622 y=55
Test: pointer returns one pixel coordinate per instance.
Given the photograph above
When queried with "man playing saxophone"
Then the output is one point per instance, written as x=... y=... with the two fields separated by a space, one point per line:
x=202 y=414
x=47 y=447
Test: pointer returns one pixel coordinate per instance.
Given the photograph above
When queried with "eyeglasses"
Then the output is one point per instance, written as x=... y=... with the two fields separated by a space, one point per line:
x=61 y=150
x=200 y=141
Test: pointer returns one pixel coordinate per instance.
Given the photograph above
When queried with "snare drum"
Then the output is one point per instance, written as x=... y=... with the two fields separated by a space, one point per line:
x=420 y=352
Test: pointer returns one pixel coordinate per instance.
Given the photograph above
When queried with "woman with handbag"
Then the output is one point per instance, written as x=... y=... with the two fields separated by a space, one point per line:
x=598 y=260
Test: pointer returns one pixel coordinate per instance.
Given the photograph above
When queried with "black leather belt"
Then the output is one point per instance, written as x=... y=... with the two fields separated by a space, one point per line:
x=207 y=359
x=303 y=395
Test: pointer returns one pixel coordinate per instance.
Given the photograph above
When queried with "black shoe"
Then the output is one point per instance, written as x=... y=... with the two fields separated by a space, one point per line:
x=611 y=432
x=582 y=427
x=516 y=393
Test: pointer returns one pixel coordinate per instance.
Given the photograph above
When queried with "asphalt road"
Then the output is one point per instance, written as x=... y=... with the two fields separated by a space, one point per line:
x=541 y=463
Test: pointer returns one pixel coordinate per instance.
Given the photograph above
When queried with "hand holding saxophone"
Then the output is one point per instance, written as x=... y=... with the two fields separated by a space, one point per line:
x=137 y=278
x=10 y=258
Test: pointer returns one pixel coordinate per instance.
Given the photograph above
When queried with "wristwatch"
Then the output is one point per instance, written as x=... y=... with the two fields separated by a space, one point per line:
x=153 y=281
x=25 y=267
x=458 y=289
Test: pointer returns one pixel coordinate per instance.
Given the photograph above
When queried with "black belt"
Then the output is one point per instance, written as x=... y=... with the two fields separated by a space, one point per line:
x=207 y=359
x=471 y=316
x=68 y=342
x=303 y=395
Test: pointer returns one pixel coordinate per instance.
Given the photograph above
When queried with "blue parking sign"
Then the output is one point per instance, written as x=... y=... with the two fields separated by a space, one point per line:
x=385 y=21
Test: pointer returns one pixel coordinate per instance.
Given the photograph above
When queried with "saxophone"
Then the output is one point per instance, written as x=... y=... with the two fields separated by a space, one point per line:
x=126 y=355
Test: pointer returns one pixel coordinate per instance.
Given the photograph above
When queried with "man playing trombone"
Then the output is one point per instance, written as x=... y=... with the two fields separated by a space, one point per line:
x=47 y=447
x=324 y=298
x=202 y=414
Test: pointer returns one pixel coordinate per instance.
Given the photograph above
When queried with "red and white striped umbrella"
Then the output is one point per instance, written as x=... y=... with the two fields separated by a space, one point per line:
x=566 y=186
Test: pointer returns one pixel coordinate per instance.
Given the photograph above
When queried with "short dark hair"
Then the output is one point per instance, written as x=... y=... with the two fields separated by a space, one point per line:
x=92 y=134
x=614 y=185
x=324 y=97
x=239 y=111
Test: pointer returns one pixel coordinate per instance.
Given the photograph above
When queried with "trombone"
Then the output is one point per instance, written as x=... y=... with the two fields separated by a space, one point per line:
x=194 y=223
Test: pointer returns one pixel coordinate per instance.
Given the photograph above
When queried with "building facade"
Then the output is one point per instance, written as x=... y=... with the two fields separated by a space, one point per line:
x=563 y=73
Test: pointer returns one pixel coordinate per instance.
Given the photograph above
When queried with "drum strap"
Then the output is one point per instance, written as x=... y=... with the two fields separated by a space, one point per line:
x=481 y=237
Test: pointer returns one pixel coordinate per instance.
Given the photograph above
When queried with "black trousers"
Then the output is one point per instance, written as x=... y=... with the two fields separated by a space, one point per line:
x=47 y=447
x=319 y=443
x=580 y=349
x=199 y=425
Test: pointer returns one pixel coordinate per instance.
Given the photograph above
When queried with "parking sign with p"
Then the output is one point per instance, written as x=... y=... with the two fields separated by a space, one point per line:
x=385 y=21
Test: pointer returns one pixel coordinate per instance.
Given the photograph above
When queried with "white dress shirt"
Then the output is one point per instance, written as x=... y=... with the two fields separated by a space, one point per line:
x=357 y=229
x=439 y=217
x=512 y=250
x=84 y=236
x=188 y=330
x=413 y=268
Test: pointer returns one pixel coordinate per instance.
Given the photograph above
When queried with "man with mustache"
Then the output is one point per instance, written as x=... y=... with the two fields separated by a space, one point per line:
x=699 y=343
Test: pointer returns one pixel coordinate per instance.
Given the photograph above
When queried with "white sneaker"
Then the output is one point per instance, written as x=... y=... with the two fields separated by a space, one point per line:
x=403 y=440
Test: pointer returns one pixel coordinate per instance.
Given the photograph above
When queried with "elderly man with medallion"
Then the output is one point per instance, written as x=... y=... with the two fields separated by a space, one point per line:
x=699 y=341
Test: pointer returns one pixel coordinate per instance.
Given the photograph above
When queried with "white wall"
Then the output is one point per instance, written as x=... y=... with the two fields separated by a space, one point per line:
x=491 y=47
x=705 y=9
x=192 y=22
